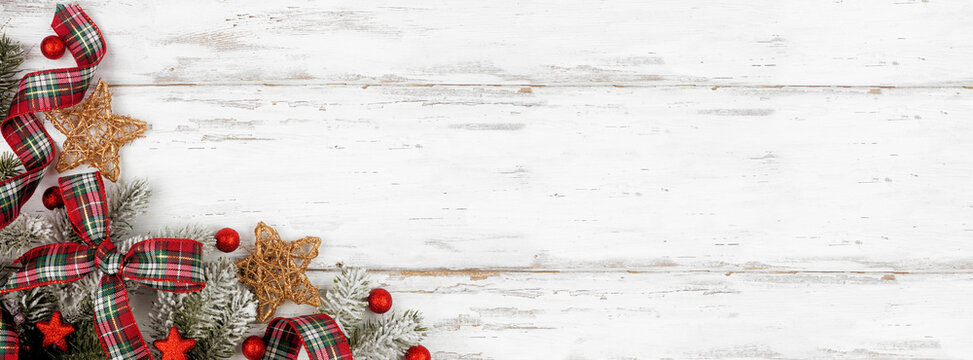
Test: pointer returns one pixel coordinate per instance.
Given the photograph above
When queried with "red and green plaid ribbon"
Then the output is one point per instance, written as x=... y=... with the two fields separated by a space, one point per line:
x=318 y=333
x=162 y=264
x=43 y=91
x=9 y=342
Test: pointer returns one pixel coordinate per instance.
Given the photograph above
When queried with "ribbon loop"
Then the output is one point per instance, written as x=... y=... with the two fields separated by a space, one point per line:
x=51 y=264
x=166 y=264
x=318 y=334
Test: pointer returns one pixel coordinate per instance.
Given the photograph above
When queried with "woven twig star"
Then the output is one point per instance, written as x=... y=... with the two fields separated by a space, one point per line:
x=276 y=271
x=94 y=133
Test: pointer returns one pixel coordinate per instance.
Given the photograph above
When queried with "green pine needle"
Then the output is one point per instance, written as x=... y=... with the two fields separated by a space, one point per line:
x=11 y=58
x=10 y=166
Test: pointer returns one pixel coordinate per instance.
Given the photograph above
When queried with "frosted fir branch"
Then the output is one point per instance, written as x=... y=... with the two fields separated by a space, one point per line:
x=11 y=58
x=75 y=298
x=387 y=337
x=62 y=231
x=126 y=202
x=10 y=166
x=25 y=232
x=36 y=304
x=346 y=300
x=383 y=337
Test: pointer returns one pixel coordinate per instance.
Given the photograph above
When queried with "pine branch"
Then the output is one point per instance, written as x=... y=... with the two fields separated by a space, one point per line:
x=347 y=299
x=11 y=58
x=36 y=304
x=23 y=233
x=75 y=298
x=127 y=201
x=387 y=337
x=62 y=229
x=10 y=166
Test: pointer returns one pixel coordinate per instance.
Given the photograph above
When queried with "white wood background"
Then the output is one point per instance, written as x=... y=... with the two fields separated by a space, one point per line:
x=684 y=179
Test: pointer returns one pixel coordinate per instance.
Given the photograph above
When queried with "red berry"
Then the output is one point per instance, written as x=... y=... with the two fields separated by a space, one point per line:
x=379 y=300
x=52 y=198
x=52 y=47
x=418 y=352
x=227 y=240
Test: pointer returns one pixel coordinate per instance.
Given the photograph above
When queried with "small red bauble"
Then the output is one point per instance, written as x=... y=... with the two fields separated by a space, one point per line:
x=379 y=300
x=52 y=47
x=227 y=240
x=52 y=198
x=418 y=352
x=254 y=348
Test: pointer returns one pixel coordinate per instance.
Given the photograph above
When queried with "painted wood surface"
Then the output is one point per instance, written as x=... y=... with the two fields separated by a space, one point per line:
x=577 y=180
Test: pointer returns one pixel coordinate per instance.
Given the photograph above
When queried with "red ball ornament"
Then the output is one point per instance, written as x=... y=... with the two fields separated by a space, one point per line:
x=254 y=347
x=418 y=352
x=379 y=300
x=227 y=240
x=52 y=198
x=52 y=47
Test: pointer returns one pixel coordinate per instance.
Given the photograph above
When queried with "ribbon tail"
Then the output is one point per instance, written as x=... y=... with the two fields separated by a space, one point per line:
x=119 y=335
x=318 y=333
x=9 y=341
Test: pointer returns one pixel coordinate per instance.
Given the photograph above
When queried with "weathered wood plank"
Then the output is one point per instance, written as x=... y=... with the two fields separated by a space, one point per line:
x=647 y=179
x=687 y=315
x=545 y=42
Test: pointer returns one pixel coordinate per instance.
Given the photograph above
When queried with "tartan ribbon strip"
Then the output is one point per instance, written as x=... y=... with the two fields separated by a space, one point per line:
x=42 y=91
x=162 y=264
x=9 y=341
x=318 y=333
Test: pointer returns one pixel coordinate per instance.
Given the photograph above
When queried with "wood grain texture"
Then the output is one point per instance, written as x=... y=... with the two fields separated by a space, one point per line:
x=602 y=179
x=546 y=42
x=577 y=180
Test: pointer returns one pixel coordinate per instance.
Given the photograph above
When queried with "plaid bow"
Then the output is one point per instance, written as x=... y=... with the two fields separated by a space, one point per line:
x=318 y=333
x=161 y=264
x=43 y=91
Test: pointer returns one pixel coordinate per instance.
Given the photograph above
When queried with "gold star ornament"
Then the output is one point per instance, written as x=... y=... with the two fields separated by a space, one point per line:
x=94 y=133
x=276 y=271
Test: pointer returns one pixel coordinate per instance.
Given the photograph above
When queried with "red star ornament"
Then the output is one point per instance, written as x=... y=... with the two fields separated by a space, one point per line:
x=175 y=347
x=55 y=331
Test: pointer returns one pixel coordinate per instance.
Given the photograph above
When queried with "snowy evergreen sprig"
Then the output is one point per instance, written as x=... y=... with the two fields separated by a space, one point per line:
x=346 y=301
x=11 y=58
x=388 y=336
x=126 y=202
x=377 y=337
x=217 y=317
x=22 y=234
x=10 y=165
